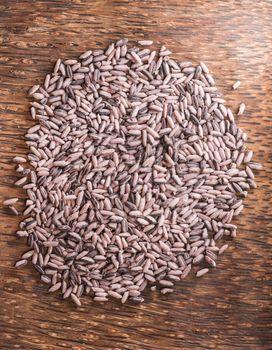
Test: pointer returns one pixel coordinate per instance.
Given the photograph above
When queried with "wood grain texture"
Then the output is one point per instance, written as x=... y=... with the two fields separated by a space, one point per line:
x=230 y=308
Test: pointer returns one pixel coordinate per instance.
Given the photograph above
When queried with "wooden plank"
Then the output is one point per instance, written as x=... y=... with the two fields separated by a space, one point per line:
x=230 y=308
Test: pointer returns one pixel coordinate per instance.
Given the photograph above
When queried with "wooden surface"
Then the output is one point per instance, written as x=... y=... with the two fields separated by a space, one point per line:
x=230 y=308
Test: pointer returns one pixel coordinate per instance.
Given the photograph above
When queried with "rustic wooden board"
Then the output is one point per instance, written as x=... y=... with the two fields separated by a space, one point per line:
x=230 y=308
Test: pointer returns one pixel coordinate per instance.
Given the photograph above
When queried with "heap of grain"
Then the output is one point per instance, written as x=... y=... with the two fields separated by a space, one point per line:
x=136 y=169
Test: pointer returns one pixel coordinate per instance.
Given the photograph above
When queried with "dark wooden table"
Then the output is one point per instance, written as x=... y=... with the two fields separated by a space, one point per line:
x=230 y=308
